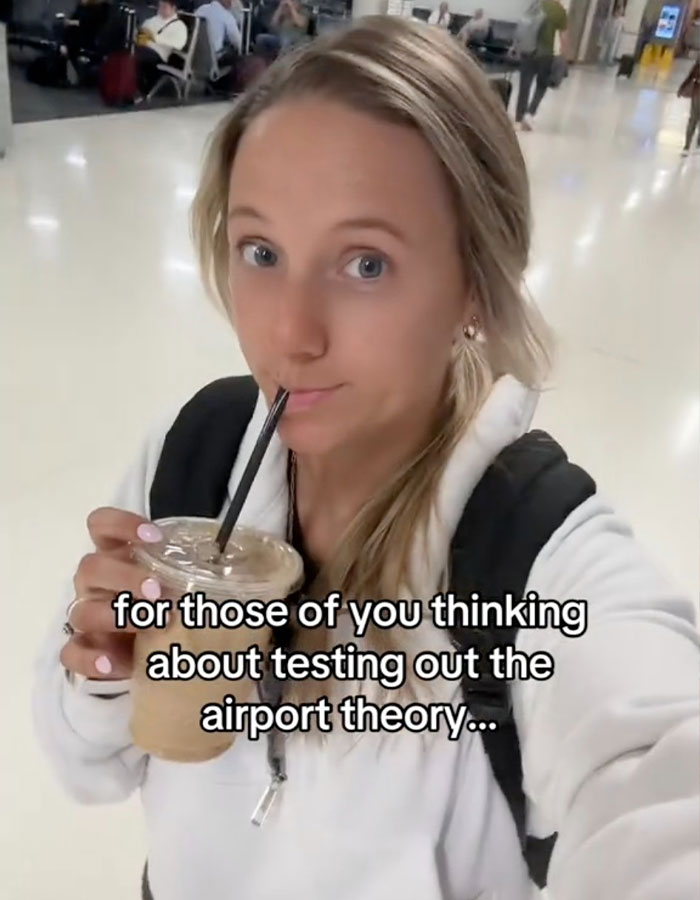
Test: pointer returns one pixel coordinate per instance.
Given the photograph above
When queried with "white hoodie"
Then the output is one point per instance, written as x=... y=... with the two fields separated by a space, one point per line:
x=610 y=744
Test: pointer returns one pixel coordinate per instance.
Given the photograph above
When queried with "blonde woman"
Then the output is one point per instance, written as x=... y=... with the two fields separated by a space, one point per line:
x=382 y=284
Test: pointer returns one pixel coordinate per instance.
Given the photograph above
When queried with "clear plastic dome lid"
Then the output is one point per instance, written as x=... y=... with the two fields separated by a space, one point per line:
x=254 y=563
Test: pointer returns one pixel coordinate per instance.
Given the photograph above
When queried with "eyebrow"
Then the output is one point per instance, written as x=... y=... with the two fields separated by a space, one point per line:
x=246 y=211
x=361 y=222
x=373 y=223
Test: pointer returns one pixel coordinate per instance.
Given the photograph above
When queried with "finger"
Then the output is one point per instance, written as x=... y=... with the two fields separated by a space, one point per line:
x=98 y=572
x=108 y=657
x=123 y=552
x=96 y=615
x=110 y=528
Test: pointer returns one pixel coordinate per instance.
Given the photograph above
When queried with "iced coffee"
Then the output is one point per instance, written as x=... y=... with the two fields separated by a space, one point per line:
x=255 y=565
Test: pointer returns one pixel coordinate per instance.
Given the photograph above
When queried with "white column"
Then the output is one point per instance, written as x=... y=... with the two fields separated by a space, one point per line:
x=633 y=20
x=587 y=28
x=5 y=109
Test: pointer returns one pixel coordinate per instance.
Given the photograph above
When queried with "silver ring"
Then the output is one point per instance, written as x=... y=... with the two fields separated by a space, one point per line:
x=67 y=627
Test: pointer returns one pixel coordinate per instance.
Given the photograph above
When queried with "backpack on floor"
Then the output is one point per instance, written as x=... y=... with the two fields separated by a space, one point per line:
x=524 y=496
x=503 y=86
x=48 y=70
x=528 y=28
x=119 y=79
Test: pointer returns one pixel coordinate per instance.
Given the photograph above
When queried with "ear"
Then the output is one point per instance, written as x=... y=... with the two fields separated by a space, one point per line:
x=470 y=309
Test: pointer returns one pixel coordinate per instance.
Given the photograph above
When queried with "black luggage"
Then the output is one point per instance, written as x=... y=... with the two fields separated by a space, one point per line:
x=48 y=70
x=503 y=87
x=559 y=71
x=626 y=66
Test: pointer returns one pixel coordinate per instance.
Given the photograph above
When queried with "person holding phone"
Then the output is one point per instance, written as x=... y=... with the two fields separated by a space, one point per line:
x=363 y=222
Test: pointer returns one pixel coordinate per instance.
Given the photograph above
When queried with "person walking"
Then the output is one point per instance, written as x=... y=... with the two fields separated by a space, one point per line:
x=534 y=44
x=690 y=89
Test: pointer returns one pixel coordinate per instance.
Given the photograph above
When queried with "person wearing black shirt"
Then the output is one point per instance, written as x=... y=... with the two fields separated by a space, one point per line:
x=81 y=32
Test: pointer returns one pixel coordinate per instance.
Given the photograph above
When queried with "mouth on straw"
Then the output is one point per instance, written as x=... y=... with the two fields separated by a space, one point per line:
x=251 y=470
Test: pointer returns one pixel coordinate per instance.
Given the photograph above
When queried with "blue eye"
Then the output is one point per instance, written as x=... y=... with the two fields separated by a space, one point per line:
x=366 y=267
x=259 y=255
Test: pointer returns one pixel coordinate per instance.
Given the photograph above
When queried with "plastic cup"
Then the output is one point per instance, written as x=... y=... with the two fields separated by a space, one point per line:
x=166 y=713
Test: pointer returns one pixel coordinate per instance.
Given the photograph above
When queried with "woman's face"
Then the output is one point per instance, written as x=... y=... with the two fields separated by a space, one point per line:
x=345 y=277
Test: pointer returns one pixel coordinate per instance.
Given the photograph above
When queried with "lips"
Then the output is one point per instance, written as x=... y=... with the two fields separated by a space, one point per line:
x=301 y=399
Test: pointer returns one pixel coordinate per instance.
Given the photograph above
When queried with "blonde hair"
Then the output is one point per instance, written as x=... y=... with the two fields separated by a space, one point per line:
x=407 y=73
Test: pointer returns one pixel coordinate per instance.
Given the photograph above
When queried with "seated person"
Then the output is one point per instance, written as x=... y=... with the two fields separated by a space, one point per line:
x=289 y=26
x=80 y=33
x=224 y=31
x=441 y=16
x=476 y=30
x=156 y=40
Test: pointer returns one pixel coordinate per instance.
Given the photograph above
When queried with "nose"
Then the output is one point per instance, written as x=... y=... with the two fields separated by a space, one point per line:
x=299 y=329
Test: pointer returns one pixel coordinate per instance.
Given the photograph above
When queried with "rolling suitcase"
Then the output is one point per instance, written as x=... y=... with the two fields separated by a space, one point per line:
x=626 y=66
x=119 y=79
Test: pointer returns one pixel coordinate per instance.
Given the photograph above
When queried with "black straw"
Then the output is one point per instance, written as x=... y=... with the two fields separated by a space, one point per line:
x=251 y=469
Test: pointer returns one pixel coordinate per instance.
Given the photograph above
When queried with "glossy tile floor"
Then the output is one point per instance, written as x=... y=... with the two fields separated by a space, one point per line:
x=104 y=323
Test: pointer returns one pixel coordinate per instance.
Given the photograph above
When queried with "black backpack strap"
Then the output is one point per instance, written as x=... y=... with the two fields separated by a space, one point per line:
x=200 y=449
x=523 y=497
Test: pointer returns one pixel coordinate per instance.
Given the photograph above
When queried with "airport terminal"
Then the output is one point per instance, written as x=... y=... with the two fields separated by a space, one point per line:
x=341 y=304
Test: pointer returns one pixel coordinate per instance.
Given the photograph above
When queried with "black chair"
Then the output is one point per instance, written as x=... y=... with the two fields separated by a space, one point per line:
x=421 y=13
x=218 y=70
x=261 y=18
x=246 y=29
x=33 y=23
x=502 y=34
x=457 y=23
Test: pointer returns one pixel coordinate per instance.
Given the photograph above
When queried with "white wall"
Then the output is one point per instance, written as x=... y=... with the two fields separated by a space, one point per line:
x=5 y=108
x=368 y=8
x=509 y=10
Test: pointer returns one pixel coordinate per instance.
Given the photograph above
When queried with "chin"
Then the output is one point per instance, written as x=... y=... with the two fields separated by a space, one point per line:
x=308 y=438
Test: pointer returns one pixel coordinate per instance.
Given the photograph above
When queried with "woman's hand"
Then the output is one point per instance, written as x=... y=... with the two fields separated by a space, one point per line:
x=98 y=649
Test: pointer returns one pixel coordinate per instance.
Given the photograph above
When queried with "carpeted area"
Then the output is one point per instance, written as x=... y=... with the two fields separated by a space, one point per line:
x=32 y=103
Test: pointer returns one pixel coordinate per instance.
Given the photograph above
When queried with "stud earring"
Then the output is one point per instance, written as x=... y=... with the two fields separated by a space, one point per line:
x=471 y=330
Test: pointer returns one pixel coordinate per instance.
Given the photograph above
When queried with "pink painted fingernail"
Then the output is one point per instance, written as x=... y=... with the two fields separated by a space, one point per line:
x=149 y=533
x=103 y=665
x=150 y=589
